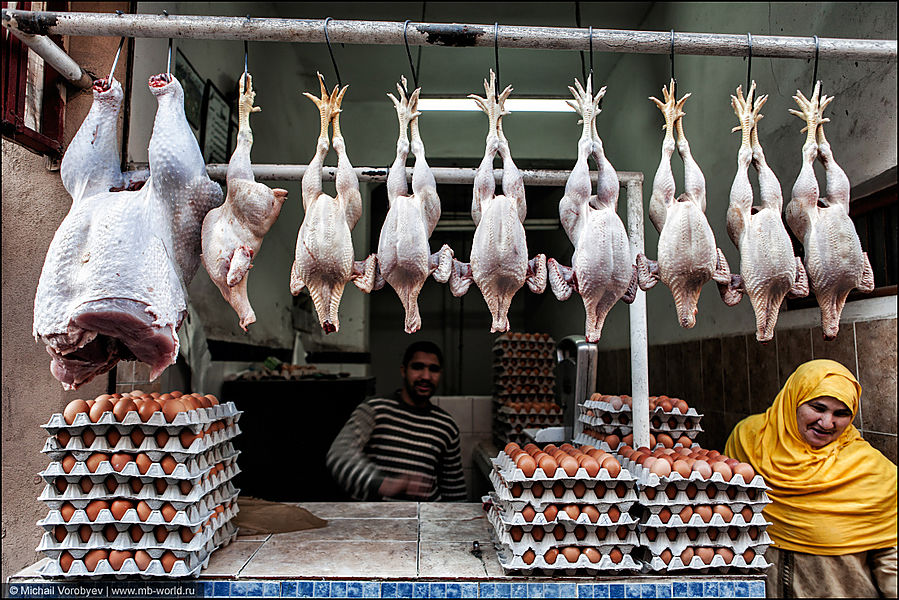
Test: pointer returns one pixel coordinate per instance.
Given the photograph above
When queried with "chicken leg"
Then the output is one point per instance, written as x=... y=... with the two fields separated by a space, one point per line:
x=232 y=233
x=834 y=259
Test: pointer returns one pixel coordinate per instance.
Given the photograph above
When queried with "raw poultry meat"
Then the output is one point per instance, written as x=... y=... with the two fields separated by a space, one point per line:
x=768 y=268
x=113 y=285
x=833 y=254
x=601 y=268
x=688 y=257
x=499 y=255
x=233 y=232
x=324 y=254
x=404 y=258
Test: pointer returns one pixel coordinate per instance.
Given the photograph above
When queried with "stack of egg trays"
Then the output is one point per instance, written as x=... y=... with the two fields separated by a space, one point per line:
x=752 y=494
x=523 y=371
x=529 y=419
x=608 y=420
x=208 y=464
x=506 y=513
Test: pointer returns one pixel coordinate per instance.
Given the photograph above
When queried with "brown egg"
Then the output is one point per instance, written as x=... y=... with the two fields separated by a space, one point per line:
x=169 y=512
x=671 y=534
x=538 y=533
x=616 y=555
x=161 y=486
x=92 y=558
x=705 y=554
x=110 y=532
x=650 y=493
x=665 y=440
x=691 y=490
x=85 y=484
x=142 y=559
x=119 y=507
x=569 y=465
x=528 y=556
x=681 y=406
x=143 y=463
x=704 y=511
x=110 y=483
x=711 y=491
x=135 y=532
x=147 y=409
x=118 y=557
x=592 y=512
x=212 y=399
x=85 y=532
x=613 y=441
x=733 y=533
x=93 y=509
x=753 y=532
x=119 y=461
x=664 y=515
x=660 y=467
x=162 y=437
x=551 y=555
x=751 y=493
x=93 y=461
x=686 y=514
x=746 y=513
x=537 y=489
x=579 y=488
x=168 y=561
x=60 y=484
x=731 y=462
x=573 y=511
x=171 y=408
x=703 y=468
x=692 y=533
x=614 y=514
x=515 y=532
x=515 y=490
x=600 y=490
x=122 y=408
x=63 y=438
x=611 y=465
x=73 y=409
x=749 y=555
x=592 y=554
x=143 y=510
x=687 y=555
x=548 y=464
x=591 y=465
x=528 y=513
x=682 y=467
x=559 y=532
x=648 y=461
x=60 y=533
x=168 y=464
x=99 y=408
x=712 y=533
x=189 y=402
x=745 y=471
x=137 y=437
x=571 y=553
x=65 y=561
x=666 y=555
x=726 y=553
x=525 y=462
x=558 y=489
x=160 y=533
x=580 y=532
x=186 y=534
x=684 y=441
x=722 y=469
x=726 y=513
x=731 y=493
x=185 y=487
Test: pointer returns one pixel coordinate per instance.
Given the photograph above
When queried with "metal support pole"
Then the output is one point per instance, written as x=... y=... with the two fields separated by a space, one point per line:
x=55 y=57
x=639 y=338
x=442 y=34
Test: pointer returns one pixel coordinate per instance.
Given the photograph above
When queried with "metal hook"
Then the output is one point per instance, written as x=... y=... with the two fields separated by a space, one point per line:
x=168 y=64
x=331 y=52
x=496 y=58
x=749 y=63
x=116 y=60
x=409 y=54
x=165 y=12
x=674 y=88
x=815 y=72
x=246 y=57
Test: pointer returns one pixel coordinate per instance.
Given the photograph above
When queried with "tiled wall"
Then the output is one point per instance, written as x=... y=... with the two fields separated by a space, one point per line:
x=730 y=378
x=474 y=416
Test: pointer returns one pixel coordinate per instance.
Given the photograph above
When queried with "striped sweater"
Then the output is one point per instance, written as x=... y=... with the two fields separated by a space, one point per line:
x=387 y=437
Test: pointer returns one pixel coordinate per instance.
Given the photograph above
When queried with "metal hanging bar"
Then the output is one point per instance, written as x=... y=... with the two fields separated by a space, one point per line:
x=441 y=34
x=56 y=57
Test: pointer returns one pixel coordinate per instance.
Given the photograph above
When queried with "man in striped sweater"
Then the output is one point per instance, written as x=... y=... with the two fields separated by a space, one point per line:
x=402 y=447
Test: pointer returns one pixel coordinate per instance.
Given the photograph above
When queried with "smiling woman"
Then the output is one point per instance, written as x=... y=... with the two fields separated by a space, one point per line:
x=833 y=496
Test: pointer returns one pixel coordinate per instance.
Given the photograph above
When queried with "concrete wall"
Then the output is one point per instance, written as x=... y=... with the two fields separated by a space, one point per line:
x=34 y=204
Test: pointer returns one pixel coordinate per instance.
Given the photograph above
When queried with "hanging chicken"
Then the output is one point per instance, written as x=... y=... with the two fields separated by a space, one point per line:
x=768 y=267
x=233 y=232
x=688 y=257
x=404 y=258
x=324 y=256
x=499 y=254
x=113 y=283
x=601 y=268
x=833 y=254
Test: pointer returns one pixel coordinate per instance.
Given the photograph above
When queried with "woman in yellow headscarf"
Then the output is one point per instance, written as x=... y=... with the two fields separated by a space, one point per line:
x=833 y=496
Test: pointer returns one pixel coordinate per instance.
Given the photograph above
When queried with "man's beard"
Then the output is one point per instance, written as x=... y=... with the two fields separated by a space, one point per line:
x=416 y=396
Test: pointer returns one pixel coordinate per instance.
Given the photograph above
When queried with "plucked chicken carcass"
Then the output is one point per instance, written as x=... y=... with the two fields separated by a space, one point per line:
x=499 y=254
x=233 y=232
x=688 y=257
x=404 y=258
x=601 y=268
x=114 y=280
x=833 y=254
x=768 y=268
x=324 y=254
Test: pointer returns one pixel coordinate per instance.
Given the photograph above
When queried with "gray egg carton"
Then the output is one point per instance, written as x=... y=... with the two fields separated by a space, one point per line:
x=696 y=565
x=647 y=479
x=173 y=446
x=653 y=520
x=722 y=540
x=195 y=419
x=610 y=498
x=514 y=563
x=509 y=473
x=173 y=494
x=203 y=539
x=510 y=514
x=740 y=501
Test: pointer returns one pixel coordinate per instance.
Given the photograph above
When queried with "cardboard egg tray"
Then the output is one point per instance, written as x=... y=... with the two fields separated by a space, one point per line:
x=656 y=563
x=204 y=533
x=527 y=368
x=192 y=515
x=504 y=397
x=519 y=389
x=529 y=419
x=201 y=487
x=173 y=446
x=602 y=482
x=187 y=566
x=512 y=563
x=194 y=419
x=523 y=376
x=620 y=423
x=703 y=537
x=647 y=479
x=193 y=468
x=741 y=498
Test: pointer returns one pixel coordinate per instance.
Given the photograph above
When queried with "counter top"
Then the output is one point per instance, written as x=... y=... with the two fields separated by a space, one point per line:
x=409 y=549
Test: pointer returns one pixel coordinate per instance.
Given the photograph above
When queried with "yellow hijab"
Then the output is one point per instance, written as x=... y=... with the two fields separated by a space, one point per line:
x=834 y=500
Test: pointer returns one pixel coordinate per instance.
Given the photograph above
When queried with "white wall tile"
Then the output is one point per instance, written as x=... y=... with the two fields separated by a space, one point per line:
x=460 y=409
x=482 y=413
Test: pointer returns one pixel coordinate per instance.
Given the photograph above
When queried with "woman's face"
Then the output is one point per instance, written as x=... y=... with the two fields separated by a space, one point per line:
x=822 y=420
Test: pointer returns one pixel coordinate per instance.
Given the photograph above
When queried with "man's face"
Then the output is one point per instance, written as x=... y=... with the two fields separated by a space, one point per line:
x=421 y=376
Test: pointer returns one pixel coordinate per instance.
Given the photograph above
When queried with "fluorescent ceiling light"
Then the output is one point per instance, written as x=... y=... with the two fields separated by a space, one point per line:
x=512 y=104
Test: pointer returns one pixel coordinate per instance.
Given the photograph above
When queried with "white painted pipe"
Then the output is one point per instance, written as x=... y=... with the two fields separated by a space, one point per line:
x=639 y=336
x=55 y=57
x=445 y=34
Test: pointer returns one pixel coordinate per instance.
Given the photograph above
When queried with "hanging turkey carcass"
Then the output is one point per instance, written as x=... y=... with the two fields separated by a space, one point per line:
x=601 y=271
x=834 y=259
x=768 y=268
x=404 y=258
x=687 y=255
x=113 y=285
x=324 y=254
x=499 y=255
x=233 y=232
